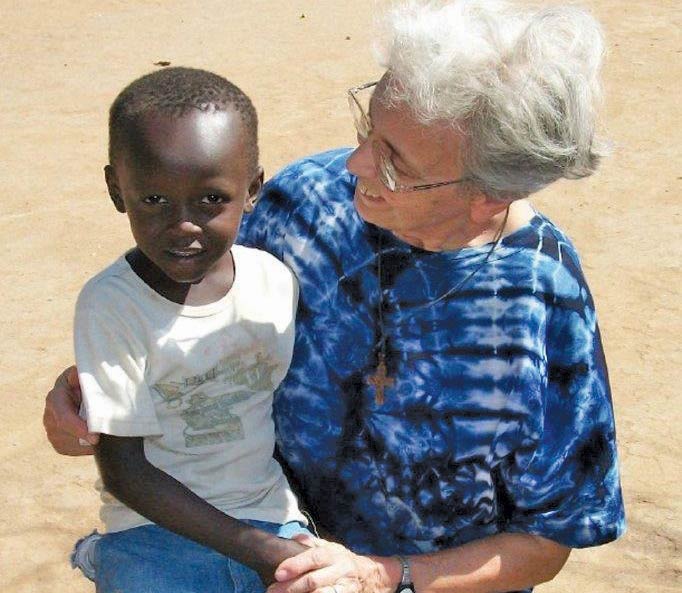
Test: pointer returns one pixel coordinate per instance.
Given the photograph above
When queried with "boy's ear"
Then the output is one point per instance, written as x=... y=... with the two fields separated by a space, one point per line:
x=112 y=186
x=254 y=190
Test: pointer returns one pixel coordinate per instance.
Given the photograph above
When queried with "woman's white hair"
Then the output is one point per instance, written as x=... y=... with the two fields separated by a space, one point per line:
x=521 y=84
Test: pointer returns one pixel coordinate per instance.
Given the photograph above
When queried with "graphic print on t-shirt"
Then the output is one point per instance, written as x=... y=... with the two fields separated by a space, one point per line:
x=205 y=400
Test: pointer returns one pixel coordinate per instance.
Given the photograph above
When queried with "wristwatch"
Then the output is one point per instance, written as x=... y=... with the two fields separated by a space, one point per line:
x=406 y=585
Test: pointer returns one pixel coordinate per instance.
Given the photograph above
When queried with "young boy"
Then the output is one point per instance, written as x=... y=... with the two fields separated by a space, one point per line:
x=179 y=346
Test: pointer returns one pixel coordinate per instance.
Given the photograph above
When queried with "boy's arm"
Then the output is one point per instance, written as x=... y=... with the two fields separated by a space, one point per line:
x=147 y=490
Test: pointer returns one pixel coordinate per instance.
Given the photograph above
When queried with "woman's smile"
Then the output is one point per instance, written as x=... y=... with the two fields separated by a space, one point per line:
x=369 y=197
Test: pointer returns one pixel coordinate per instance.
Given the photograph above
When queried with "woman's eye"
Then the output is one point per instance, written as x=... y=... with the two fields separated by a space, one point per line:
x=154 y=199
x=213 y=199
x=402 y=174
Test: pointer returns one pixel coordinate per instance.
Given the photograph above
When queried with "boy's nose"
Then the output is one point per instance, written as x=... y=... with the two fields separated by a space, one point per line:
x=184 y=220
x=188 y=227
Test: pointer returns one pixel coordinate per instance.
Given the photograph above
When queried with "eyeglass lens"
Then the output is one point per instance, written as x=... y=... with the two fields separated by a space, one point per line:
x=385 y=167
x=360 y=117
x=358 y=101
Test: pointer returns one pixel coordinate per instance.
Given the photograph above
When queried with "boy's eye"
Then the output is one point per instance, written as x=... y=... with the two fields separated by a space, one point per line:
x=213 y=199
x=155 y=199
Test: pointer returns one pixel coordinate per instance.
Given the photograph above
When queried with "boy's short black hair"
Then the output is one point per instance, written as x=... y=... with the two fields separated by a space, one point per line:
x=174 y=91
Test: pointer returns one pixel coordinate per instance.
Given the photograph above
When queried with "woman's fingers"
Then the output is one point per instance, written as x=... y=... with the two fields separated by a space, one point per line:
x=71 y=377
x=341 y=586
x=322 y=580
x=314 y=558
x=318 y=570
x=63 y=426
x=318 y=580
x=306 y=539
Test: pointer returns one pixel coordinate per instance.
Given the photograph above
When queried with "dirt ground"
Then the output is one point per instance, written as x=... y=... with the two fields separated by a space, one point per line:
x=62 y=64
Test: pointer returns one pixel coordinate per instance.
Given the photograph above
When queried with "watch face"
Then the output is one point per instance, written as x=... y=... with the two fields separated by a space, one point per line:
x=409 y=588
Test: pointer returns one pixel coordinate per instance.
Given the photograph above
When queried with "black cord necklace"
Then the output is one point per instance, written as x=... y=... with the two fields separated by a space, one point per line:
x=380 y=380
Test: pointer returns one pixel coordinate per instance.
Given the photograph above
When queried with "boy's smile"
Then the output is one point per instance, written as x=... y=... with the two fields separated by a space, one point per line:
x=183 y=181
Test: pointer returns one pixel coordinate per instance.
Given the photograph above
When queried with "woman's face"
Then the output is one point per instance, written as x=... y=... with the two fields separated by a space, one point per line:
x=420 y=154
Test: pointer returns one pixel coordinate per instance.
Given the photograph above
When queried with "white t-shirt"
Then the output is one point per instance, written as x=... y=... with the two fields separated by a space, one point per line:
x=195 y=381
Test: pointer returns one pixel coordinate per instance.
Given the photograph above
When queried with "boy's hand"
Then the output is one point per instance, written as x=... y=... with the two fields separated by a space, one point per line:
x=63 y=426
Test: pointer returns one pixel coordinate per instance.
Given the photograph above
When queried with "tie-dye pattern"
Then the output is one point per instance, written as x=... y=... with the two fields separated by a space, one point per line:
x=500 y=418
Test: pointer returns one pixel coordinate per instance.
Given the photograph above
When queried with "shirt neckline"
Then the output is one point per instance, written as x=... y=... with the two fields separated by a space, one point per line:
x=191 y=310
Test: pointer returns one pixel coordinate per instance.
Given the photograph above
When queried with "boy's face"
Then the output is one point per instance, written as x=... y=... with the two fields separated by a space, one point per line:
x=183 y=182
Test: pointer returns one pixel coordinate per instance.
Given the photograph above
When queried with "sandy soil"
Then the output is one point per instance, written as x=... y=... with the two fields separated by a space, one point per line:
x=63 y=62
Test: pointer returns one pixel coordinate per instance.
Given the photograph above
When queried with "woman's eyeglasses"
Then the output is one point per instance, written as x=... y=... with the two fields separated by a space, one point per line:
x=357 y=97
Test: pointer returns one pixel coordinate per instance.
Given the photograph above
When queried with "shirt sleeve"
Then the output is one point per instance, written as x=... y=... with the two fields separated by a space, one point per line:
x=564 y=484
x=291 y=202
x=111 y=365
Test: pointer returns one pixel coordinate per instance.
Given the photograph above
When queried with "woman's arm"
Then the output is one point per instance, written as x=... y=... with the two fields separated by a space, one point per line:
x=504 y=562
x=147 y=490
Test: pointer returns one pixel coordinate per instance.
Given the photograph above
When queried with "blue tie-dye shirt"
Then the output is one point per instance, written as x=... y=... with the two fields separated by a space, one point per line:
x=500 y=418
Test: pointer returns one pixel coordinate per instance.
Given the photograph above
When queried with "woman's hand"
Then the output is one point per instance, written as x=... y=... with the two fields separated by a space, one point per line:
x=63 y=426
x=327 y=567
x=502 y=562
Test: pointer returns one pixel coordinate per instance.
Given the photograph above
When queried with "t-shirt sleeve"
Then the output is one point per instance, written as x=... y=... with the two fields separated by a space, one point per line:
x=564 y=485
x=111 y=364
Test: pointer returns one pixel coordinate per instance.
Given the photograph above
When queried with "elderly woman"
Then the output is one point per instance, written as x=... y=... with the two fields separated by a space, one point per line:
x=447 y=418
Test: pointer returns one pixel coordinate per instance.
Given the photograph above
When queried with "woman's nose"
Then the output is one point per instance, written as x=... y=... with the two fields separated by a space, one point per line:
x=361 y=161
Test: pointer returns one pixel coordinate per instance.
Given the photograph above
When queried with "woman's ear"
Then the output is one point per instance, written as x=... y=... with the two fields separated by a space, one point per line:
x=483 y=208
x=254 y=190
x=114 y=190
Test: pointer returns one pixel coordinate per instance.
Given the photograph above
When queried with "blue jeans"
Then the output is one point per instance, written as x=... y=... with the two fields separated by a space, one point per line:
x=150 y=559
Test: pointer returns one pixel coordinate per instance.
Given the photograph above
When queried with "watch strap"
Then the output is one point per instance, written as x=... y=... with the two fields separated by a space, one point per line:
x=406 y=585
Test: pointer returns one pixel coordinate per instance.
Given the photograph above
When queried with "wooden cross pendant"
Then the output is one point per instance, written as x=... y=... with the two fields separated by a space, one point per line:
x=380 y=380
